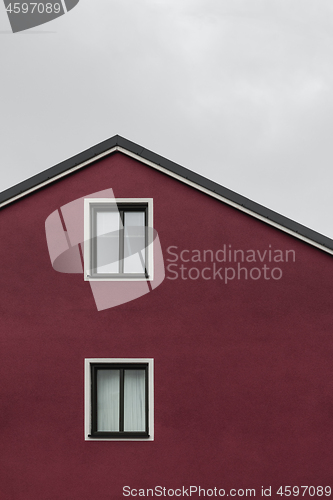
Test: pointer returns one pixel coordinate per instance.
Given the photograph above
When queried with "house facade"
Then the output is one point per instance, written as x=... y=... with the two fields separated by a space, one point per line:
x=160 y=336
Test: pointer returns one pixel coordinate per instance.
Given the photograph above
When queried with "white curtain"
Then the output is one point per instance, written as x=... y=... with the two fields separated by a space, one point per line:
x=107 y=233
x=108 y=400
x=134 y=242
x=134 y=400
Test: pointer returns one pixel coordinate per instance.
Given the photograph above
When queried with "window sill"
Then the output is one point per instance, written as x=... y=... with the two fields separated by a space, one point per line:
x=117 y=278
x=120 y=436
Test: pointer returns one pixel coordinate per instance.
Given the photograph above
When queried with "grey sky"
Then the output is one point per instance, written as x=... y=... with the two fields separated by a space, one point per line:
x=238 y=90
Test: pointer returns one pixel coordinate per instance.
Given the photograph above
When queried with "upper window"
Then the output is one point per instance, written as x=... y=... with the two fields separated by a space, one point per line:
x=119 y=399
x=118 y=239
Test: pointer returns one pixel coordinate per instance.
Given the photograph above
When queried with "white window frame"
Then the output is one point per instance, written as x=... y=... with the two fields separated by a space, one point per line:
x=88 y=202
x=87 y=396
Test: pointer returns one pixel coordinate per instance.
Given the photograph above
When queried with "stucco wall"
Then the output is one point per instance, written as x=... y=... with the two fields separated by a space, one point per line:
x=243 y=370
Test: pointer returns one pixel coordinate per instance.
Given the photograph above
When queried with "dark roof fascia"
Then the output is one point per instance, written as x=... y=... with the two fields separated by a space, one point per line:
x=56 y=170
x=117 y=141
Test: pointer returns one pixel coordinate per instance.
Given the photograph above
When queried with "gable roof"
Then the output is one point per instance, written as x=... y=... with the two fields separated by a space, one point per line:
x=118 y=143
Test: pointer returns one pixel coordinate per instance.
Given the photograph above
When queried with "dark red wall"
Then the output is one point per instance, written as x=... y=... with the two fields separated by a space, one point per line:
x=243 y=371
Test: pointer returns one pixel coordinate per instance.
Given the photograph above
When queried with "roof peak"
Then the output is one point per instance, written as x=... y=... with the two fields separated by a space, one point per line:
x=119 y=143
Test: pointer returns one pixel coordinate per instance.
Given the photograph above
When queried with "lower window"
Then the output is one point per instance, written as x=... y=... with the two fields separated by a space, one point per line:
x=119 y=399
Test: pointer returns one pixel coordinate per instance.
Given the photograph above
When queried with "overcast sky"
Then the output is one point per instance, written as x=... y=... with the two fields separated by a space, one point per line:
x=237 y=90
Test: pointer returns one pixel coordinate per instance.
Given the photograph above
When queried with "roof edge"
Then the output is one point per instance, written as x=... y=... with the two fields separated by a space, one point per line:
x=118 y=143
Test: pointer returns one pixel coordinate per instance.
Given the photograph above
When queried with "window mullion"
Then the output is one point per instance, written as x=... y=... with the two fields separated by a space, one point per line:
x=121 y=401
x=147 y=399
x=146 y=246
x=93 y=242
x=121 y=242
x=94 y=400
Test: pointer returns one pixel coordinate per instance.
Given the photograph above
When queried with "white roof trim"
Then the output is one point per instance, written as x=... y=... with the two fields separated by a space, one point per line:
x=175 y=176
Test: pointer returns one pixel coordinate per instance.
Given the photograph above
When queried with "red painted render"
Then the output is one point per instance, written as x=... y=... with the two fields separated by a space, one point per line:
x=243 y=371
